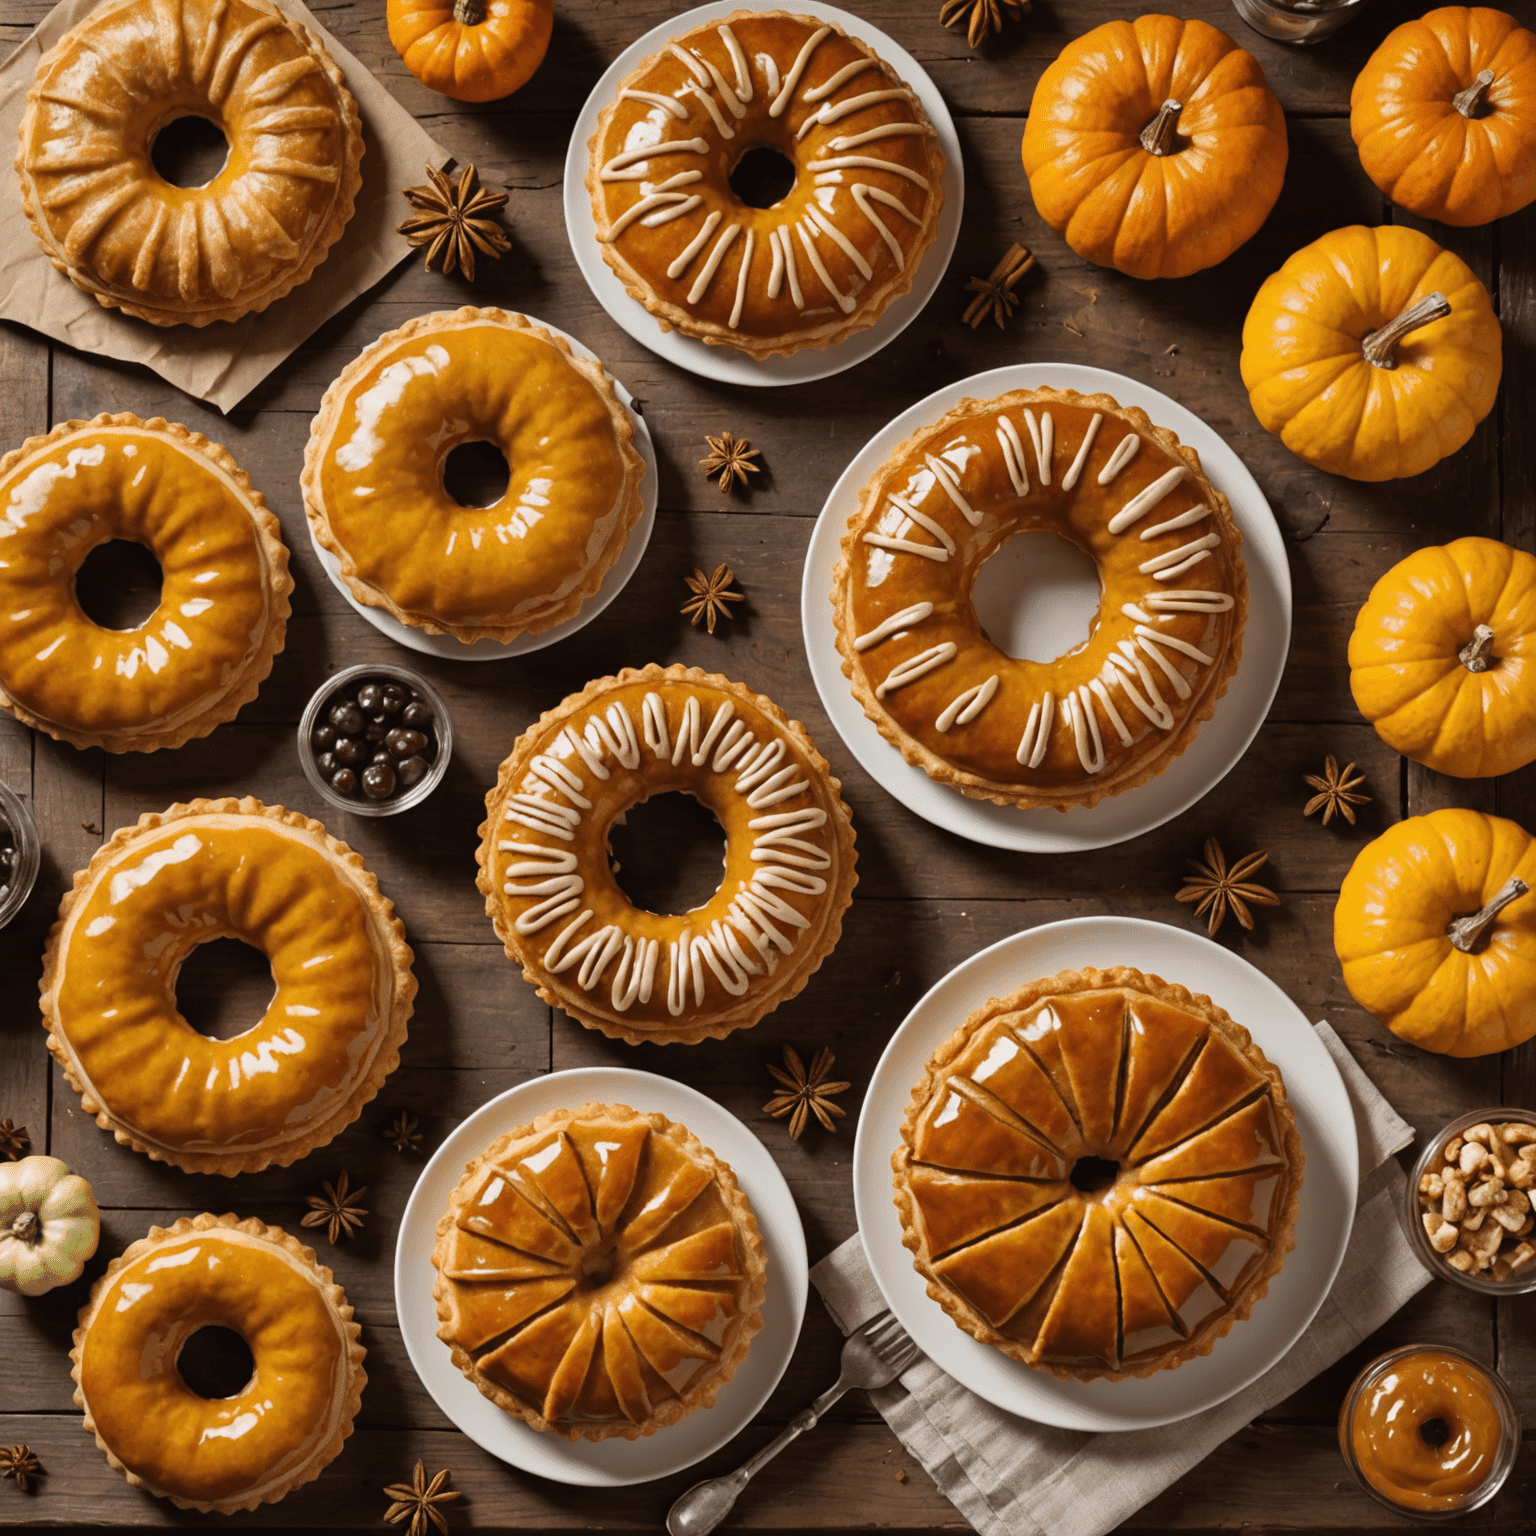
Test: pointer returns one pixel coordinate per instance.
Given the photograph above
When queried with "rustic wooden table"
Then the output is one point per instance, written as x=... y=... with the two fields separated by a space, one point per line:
x=925 y=900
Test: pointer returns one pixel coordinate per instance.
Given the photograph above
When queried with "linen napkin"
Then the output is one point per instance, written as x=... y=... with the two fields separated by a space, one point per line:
x=1011 y=1477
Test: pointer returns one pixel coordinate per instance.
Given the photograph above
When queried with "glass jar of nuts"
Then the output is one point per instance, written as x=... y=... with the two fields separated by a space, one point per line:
x=1470 y=1202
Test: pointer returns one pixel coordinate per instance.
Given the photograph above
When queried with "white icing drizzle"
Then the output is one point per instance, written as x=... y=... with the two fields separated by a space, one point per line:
x=695 y=68
x=822 y=168
x=631 y=157
x=1171 y=672
x=1183 y=520
x=653 y=724
x=694 y=246
x=776 y=271
x=712 y=265
x=1101 y=693
x=897 y=622
x=1125 y=451
x=862 y=194
x=949 y=482
x=835 y=112
x=792 y=79
x=1042 y=434
x=846 y=73
x=1013 y=454
x=1158 y=637
x=722 y=127
x=844 y=300
x=1125 y=663
x=738 y=62
x=1078 y=708
x=1175 y=562
x=657 y=197
x=1069 y=480
x=553 y=871
x=734 y=104
x=964 y=707
x=1196 y=600
x=1137 y=612
x=741 y=279
x=922 y=519
x=820 y=220
x=543 y=816
x=885 y=131
x=791 y=269
x=654 y=98
x=1037 y=732
x=914 y=667
x=770 y=68
x=1143 y=501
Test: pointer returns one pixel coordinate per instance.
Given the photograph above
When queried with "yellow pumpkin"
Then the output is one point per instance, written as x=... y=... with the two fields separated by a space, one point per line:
x=1444 y=115
x=1436 y=930
x=1372 y=353
x=471 y=50
x=1155 y=146
x=1443 y=658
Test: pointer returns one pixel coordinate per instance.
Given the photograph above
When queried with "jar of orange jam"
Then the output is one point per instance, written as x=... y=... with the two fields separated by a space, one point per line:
x=1429 y=1432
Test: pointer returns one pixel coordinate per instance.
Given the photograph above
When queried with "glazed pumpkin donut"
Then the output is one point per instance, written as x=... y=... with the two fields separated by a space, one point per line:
x=176 y=255
x=545 y=865
x=373 y=475
x=223 y=612
x=329 y=1038
x=1112 y=712
x=228 y=1453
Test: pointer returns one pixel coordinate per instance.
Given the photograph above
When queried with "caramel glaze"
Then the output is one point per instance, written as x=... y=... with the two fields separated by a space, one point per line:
x=1393 y=1432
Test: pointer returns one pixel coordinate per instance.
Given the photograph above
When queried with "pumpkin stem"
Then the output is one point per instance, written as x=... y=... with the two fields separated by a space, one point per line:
x=1473 y=102
x=26 y=1228
x=1465 y=933
x=1474 y=654
x=1157 y=136
x=1380 y=347
x=470 y=13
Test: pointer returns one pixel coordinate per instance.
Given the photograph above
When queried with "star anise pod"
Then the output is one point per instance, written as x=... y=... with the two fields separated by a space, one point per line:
x=805 y=1093
x=403 y=1133
x=994 y=293
x=1336 y=791
x=731 y=458
x=453 y=221
x=418 y=1499
x=14 y=1140
x=18 y=1461
x=1218 y=890
x=710 y=597
x=336 y=1210
x=981 y=18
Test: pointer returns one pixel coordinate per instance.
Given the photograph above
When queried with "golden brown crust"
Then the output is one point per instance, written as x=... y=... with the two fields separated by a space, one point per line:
x=1282 y=1237
x=792 y=973
x=1139 y=769
x=696 y=1395
x=631 y=502
x=390 y=948
x=336 y=1299
x=244 y=686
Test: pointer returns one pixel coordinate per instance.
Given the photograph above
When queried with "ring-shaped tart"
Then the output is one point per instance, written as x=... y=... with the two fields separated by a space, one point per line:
x=1110 y=713
x=117 y=229
x=829 y=254
x=330 y=1036
x=228 y=1453
x=376 y=498
x=545 y=863
x=599 y=1273
x=1099 y=1174
x=223 y=610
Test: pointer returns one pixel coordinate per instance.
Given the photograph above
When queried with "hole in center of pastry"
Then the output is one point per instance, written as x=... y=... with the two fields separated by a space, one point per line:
x=599 y=1265
x=476 y=474
x=1434 y=1432
x=118 y=584
x=189 y=151
x=216 y=1362
x=1037 y=596
x=667 y=853
x=762 y=176
x=223 y=988
x=1091 y=1174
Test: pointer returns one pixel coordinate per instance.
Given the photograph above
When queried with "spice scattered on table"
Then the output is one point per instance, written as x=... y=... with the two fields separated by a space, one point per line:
x=1337 y=791
x=982 y=19
x=710 y=597
x=14 y=1140
x=805 y=1092
x=994 y=293
x=403 y=1133
x=731 y=458
x=453 y=221
x=336 y=1210
x=18 y=1462
x=418 y=1499
x=375 y=740
x=1218 y=890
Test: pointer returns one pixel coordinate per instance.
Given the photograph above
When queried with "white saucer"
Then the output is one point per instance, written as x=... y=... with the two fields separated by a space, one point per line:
x=725 y=363
x=613 y=583
x=1221 y=740
x=604 y=1463
x=1324 y=1119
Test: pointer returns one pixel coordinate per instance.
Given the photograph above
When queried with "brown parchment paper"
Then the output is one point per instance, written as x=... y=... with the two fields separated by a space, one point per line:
x=222 y=362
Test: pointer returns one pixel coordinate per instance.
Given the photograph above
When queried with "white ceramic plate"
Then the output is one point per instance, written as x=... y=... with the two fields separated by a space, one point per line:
x=1221 y=740
x=613 y=583
x=1324 y=1119
x=604 y=1463
x=725 y=363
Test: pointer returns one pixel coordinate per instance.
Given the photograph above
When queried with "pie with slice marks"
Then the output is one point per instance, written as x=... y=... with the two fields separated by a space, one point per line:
x=1099 y=1174
x=599 y=1273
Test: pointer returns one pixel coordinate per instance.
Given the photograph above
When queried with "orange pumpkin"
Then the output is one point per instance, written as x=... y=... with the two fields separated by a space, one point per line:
x=1155 y=146
x=1444 y=115
x=471 y=50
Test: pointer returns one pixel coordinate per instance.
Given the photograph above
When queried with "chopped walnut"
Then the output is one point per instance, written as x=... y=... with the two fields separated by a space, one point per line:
x=1489 y=1171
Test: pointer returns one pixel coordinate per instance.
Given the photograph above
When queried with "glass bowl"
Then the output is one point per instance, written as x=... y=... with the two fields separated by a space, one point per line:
x=360 y=805
x=1509 y=1420
x=1430 y=1159
x=1298 y=21
x=29 y=853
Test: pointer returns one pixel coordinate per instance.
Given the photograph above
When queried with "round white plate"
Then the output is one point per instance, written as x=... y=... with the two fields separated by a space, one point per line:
x=1221 y=740
x=604 y=1463
x=1324 y=1119
x=725 y=363
x=613 y=583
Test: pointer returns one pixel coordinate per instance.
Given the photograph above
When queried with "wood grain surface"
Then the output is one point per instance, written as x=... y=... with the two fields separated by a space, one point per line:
x=925 y=901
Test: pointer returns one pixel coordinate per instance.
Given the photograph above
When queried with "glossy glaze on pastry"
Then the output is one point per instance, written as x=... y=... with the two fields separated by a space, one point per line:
x=1110 y=713
x=825 y=260
x=223 y=610
x=331 y=1035
x=231 y=1453
x=373 y=475
x=545 y=863
x=1099 y=1174
x=188 y=255
x=600 y=1273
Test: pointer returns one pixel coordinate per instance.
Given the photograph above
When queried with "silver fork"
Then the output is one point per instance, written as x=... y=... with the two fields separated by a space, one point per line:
x=873 y=1357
